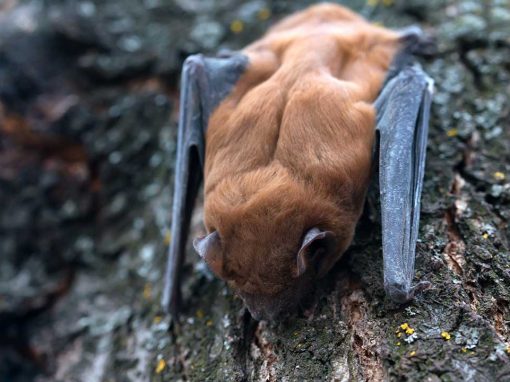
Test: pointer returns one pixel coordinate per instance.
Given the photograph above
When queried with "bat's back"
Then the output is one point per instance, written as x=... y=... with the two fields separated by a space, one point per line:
x=305 y=102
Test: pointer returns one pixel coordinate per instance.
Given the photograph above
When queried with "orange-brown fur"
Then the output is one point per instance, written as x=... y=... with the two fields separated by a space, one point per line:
x=291 y=147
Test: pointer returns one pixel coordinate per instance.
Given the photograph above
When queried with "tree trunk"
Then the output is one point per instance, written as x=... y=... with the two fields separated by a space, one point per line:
x=87 y=128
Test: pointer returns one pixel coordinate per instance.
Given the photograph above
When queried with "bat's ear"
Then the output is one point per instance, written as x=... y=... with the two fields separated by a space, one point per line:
x=316 y=248
x=209 y=249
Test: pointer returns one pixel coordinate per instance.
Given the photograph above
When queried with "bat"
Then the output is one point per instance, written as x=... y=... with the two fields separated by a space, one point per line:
x=284 y=134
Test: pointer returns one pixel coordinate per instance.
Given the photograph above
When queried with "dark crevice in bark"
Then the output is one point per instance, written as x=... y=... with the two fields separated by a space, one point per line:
x=363 y=343
x=455 y=247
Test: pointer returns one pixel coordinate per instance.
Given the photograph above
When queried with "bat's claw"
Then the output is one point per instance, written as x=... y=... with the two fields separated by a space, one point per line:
x=401 y=293
x=418 y=42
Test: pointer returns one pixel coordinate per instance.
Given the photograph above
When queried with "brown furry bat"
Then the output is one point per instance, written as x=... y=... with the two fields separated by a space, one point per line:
x=288 y=154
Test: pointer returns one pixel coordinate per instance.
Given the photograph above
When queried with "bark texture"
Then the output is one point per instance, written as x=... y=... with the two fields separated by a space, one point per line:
x=87 y=128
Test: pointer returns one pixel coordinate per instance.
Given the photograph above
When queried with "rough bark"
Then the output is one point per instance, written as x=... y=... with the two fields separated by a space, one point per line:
x=88 y=106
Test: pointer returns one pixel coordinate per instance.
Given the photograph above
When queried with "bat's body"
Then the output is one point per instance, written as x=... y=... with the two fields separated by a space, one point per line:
x=289 y=145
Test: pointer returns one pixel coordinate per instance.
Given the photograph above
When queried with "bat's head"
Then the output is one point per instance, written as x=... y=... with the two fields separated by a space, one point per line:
x=271 y=237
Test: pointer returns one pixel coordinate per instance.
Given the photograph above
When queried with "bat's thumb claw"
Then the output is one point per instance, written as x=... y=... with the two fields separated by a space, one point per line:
x=417 y=42
x=401 y=293
x=398 y=292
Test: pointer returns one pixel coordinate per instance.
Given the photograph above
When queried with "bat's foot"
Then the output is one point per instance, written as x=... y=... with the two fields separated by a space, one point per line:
x=401 y=294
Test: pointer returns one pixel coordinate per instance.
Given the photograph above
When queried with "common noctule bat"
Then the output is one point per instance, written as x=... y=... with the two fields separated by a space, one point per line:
x=284 y=134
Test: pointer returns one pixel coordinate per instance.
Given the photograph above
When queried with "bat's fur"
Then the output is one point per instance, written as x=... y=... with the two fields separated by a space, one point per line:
x=291 y=148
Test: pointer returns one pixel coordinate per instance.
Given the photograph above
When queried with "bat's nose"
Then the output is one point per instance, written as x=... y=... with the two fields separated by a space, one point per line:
x=267 y=314
x=256 y=314
x=259 y=314
x=271 y=308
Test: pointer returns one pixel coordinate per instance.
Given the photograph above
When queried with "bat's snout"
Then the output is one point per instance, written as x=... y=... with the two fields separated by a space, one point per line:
x=294 y=298
x=270 y=309
x=260 y=315
x=268 y=314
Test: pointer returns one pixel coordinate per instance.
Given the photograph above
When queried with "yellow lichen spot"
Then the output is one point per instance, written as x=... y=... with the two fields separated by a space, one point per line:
x=160 y=366
x=463 y=350
x=409 y=331
x=498 y=175
x=200 y=314
x=508 y=349
x=147 y=291
x=485 y=235
x=264 y=14
x=404 y=326
x=398 y=343
x=209 y=323
x=412 y=354
x=237 y=26
x=372 y=3
x=452 y=132
x=399 y=334
x=388 y=3
x=167 y=238
x=157 y=319
x=446 y=336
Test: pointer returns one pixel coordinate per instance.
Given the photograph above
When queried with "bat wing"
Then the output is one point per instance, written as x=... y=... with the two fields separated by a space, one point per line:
x=205 y=83
x=402 y=121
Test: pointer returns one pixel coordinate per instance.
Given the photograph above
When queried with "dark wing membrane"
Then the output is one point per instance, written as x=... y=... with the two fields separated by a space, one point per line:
x=402 y=120
x=205 y=83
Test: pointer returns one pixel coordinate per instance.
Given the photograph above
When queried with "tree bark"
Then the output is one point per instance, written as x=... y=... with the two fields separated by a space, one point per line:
x=86 y=152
